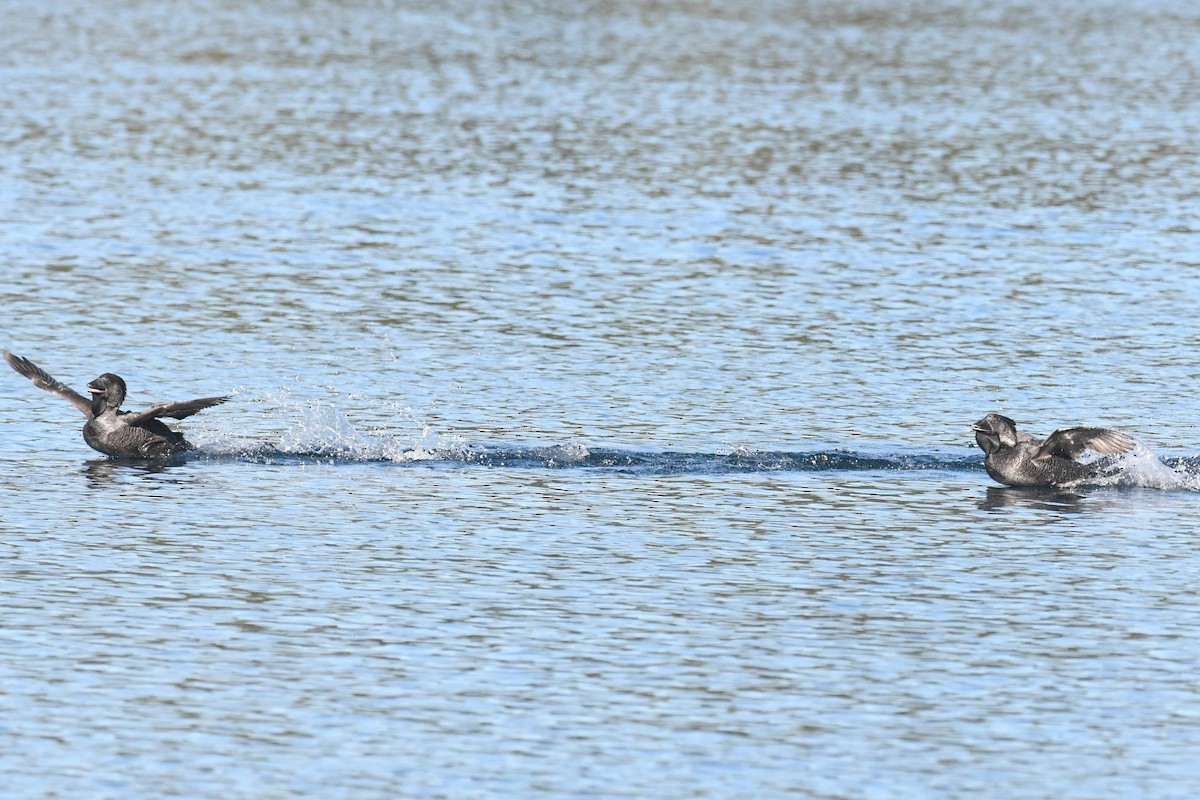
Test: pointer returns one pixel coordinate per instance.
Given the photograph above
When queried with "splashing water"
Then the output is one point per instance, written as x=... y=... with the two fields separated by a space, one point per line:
x=1142 y=468
x=326 y=432
x=318 y=430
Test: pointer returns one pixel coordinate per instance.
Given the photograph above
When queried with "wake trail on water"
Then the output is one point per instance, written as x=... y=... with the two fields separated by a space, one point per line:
x=578 y=456
x=325 y=435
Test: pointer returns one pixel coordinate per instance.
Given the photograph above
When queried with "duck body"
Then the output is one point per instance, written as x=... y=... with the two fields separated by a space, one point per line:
x=109 y=430
x=1019 y=466
x=1018 y=459
x=112 y=434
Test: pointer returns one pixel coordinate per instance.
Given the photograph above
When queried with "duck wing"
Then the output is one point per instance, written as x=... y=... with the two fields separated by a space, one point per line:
x=1071 y=443
x=180 y=410
x=44 y=380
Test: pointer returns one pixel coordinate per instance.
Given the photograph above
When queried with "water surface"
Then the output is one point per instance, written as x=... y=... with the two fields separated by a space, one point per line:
x=602 y=384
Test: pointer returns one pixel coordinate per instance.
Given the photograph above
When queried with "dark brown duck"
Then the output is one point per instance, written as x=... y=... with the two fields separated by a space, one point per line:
x=117 y=433
x=1018 y=459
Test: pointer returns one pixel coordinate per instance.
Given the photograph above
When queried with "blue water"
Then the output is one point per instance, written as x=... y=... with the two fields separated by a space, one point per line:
x=602 y=379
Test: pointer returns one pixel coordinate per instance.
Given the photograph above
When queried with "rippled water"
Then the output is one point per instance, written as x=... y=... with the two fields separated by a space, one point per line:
x=602 y=383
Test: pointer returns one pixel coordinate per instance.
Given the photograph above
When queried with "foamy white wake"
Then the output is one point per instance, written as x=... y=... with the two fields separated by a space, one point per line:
x=328 y=432
x=1142 y=468
x=320 y=430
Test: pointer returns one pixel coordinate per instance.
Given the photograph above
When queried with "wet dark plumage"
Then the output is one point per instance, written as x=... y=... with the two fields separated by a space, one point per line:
x=1018 y=459
x=121 y=434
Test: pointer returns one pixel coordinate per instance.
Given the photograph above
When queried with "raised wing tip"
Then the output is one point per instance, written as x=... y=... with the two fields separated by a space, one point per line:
x=1112 y=442
x=1103 y=441
x=23 y=366
x=1072 y=443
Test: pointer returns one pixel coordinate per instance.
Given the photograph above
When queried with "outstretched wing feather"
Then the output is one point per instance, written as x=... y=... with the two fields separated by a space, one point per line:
x=1073 y=442
x=44 y=380
x=180 y=410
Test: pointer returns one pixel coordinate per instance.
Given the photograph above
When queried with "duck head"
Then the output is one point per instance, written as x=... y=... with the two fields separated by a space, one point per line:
x=108 y=391
x=993 y=432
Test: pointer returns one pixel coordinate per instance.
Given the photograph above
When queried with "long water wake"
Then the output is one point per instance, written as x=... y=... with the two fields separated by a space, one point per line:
x=325 y=435
x=575 y=455
x=320 y=434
